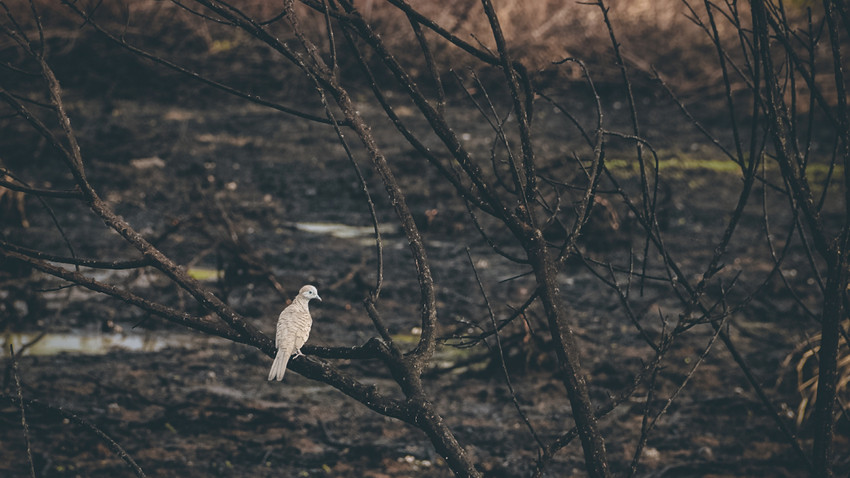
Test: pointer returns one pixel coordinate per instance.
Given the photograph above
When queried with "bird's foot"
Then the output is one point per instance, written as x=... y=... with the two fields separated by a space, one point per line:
x=298 y=353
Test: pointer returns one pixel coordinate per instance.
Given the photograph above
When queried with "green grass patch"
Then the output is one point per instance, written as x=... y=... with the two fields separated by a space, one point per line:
x=203 y=274
x=816 y=172
x=676 y=163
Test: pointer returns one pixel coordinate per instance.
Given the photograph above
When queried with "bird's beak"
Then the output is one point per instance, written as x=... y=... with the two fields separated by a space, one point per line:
x=317 y=296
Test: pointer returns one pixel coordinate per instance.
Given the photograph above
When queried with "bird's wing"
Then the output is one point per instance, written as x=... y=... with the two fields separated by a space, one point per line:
x=302 y=329
x=285 y=324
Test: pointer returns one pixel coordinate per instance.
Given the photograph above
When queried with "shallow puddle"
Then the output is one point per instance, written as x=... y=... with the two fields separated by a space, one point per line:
x=84 y=343
x=342 y=231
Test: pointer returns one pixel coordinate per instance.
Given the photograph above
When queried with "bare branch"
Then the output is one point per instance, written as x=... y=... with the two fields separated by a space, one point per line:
x=24 y=426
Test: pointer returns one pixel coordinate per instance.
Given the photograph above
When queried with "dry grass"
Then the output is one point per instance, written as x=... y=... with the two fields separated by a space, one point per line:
x=653 y=34
x=806 y=359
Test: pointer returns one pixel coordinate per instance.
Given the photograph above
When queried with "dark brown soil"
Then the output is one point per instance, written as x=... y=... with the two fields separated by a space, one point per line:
x=173 y=166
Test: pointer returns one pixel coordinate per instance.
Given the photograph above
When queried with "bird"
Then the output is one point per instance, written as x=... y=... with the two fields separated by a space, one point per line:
x=293 y=328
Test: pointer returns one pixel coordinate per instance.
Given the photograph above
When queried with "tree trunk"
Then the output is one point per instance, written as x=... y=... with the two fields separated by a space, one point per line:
x=568 y=358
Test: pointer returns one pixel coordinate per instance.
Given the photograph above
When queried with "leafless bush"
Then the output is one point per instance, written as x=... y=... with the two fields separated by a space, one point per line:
x=777 y=81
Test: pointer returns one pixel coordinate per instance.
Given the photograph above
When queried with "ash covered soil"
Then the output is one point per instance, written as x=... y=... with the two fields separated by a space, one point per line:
x=190 y=174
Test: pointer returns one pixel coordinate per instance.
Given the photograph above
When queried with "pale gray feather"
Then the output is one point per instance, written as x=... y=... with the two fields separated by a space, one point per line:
x=293 y=329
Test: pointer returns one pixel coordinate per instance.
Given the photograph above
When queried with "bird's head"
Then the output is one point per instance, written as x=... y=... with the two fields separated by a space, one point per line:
x=309 y=292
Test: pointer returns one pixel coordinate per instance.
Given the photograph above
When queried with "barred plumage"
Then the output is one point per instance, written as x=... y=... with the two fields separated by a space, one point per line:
x=293 y=328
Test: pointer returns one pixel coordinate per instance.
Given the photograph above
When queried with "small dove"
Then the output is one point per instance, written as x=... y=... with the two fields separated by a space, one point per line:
x=293 y=328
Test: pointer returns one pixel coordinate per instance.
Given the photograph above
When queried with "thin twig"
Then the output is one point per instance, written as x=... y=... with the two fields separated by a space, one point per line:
x=540 y=445
x=24 y=426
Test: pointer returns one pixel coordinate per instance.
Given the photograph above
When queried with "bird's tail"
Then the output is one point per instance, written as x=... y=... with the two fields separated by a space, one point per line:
x=279 y=365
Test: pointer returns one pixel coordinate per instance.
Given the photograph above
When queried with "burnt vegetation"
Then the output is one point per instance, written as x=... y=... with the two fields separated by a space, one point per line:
x=608 y=238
